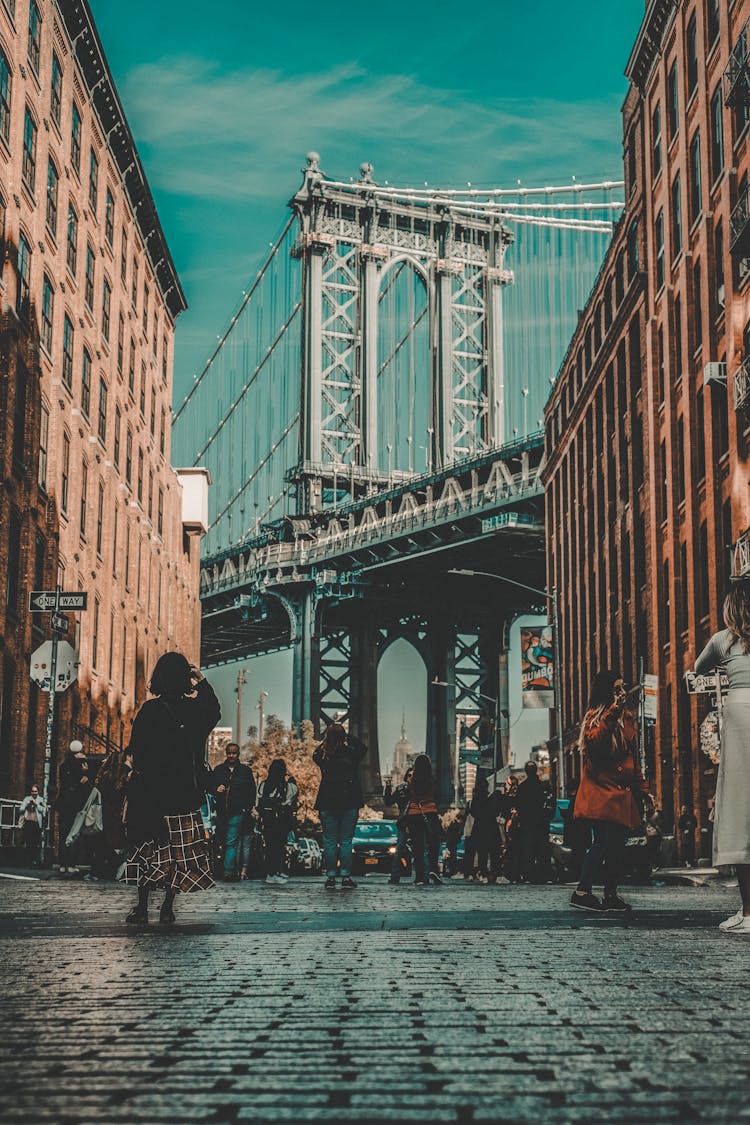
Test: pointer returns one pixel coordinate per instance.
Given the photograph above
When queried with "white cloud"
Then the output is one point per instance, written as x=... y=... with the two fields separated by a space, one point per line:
x=242 y=135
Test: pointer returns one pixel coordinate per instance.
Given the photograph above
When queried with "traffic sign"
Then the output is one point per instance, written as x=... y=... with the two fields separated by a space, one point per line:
x=699 y=684
x=66 y=669
x=60 y=623
x=650 y=696
x=41 y=600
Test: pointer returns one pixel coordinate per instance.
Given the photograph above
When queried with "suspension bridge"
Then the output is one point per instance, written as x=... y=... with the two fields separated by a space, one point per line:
x=371 y=419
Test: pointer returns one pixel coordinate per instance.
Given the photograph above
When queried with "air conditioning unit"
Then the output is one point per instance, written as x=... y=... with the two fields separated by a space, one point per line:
x=715 y=375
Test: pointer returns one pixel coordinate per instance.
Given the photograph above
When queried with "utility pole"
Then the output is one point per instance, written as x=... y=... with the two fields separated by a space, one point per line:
x=241 y=681
x=263 y=696
x=46 y=820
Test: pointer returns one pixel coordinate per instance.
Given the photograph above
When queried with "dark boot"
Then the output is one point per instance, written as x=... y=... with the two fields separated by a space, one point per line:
x=166 y=914
x=138 y=916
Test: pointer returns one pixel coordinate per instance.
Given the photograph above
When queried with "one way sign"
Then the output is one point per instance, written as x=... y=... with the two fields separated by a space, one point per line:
x=40 y=600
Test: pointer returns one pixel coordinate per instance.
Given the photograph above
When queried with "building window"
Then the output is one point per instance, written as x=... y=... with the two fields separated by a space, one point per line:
x=14 y=562
x=712 y=22
x=719 y=256
x=24 y=276
x=139 y=491
x=109 y=218
x=673 y=102
x=660 y=363
x=55 y=98
x=633 y=259
x=145 y=309
x=43 y=447
x=162 y=427
x=95 y=636
x=75 y=139
x=691 y=40
x=86 y=384
x=134 y=283
x=700 y=428
x=35 y=36
x=155 y=333
x=142 y=393
x=7 y=737
x=28 y=163
x=19 y=418
x=717 y=135
x=124 y=663
x=697 y=311
x=115 y=523
x=52 y=188
x=48 y=304
x=101 y=428
x=65 y=474
x=160 y=511
x=131 y=369
x=676 y=217
x=152 y=425
x=120 y=343
x=695 y=177
x=665 y=476
x=106 y=308
x=684 y=599
x=93 y=181
x=659 y=232
x=150 y=494
x=678 y=337
x=100 y=519
x=116 y=452
x=84 y=491
x=124 y=256
x=5 y=85
x=111 y=645
x=129 y=457
x=656 y=141
x=89 y=286
x=67 y=362
x=631 y=161
x=634 y=349
x=72 y=249
x=164 y=358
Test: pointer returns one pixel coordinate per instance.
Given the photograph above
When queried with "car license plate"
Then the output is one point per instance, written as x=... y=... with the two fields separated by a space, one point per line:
x=371 y=859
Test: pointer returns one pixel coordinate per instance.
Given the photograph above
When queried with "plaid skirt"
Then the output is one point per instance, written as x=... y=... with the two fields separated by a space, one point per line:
x=181 y=863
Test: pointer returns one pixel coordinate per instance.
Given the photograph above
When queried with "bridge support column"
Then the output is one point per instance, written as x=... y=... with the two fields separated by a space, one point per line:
x=370 y=285
x=363 y=696
x=441 y=710
x=443 y=378
x=305 y=670
x=495 y=365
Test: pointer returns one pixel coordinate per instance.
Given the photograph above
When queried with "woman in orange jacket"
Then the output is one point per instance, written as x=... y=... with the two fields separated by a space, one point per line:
x=611 y=789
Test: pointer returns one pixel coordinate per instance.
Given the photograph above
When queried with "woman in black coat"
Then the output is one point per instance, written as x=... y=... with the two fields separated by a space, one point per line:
x=339 y=800
x=164 y=828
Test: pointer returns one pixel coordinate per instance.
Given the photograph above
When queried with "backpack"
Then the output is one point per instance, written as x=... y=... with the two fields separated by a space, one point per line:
x=271 y=802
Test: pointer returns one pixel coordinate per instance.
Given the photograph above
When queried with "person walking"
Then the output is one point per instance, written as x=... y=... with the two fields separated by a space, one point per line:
x=687 y=825
x=533 y=825
x=73 y=789
x=729 y=651
x=111 y=781
x=485 y=833
x=167 y=787
x=610 y=791
x=31 y=814
x=277 y=797
x=234 y=786
x=400 y=798
x=339 y=800
x=423 y=822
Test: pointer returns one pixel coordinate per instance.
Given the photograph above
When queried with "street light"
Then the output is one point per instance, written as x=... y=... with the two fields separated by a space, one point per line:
x=550 y=596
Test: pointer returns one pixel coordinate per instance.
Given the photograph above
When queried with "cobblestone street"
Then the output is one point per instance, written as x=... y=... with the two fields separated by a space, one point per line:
x=457 y=1004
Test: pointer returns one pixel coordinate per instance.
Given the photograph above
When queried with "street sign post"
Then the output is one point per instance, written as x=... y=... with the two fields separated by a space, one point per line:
x=698 y=684
x=44 y=669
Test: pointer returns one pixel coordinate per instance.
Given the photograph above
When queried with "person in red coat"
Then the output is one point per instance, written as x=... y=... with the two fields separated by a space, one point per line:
x=611 y=789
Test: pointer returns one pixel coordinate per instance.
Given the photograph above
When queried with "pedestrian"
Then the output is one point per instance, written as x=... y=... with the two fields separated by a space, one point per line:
x=168 y=786
x=654 y=833
x=687 y=825
x=485 y=833
x=533 y=825
x=234 y=787
x=73 y=788
x=423 y=822
x=31 y=814
x=729 y=651
x=277 y=799
x=111 y=781
x=339 y=800
x=400 y=798
x=576 y=836
x=453 y=835
x=611 y=789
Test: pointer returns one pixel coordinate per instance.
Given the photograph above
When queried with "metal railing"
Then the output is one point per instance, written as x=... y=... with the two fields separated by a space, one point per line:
x=741 y=568
x=10 y=833
x=742 y=385
x=737 y=73
x=739 y=223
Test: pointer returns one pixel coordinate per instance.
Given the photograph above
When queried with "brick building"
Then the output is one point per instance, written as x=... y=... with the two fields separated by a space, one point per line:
x=646 y=425
x=91 y=279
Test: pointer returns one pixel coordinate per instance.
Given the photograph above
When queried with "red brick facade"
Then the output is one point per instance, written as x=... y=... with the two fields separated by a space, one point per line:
x=647 y=570
x=92 y=273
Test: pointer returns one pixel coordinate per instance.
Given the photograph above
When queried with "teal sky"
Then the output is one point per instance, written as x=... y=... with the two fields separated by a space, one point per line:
x=224 y=101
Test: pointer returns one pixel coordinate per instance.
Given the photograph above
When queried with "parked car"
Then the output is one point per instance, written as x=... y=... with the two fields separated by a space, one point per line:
x=375 y=844
x=637 y=860
x=307 y=856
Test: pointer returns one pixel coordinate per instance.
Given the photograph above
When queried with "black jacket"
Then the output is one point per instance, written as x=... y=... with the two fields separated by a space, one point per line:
x=340 y=786
x=240 y=784
x=168 y=743
x=398 y=796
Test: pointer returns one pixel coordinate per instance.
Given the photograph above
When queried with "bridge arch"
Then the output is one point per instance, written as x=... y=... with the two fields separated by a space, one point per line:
x=402 y=691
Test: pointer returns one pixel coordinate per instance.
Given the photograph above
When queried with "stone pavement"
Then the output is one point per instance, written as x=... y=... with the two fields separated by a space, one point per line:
x=456 y=1004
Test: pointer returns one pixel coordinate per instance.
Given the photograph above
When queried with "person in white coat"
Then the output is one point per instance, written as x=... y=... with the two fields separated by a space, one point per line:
x=729 y=651
x=31 y=813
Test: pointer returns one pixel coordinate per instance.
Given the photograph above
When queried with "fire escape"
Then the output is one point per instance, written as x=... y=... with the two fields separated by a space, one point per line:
x=737 y=97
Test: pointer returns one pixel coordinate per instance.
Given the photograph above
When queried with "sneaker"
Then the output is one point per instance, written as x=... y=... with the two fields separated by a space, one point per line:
x=137 y=917
x=282 y=878
x=166 y=915
x=420 y=882
x=394 y=882
x=435 y=879
x=272 y=879
x=586 y=902
x=330 y=883
x=74 y=871
x=63 y=870
x=243 y=874
x=737 y=924
x=614 y=904
x=347 y=883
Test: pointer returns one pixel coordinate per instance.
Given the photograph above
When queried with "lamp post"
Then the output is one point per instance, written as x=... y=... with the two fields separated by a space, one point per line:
x=488 y=699
x=261 y=712
x=241 y=681
x=550 y=596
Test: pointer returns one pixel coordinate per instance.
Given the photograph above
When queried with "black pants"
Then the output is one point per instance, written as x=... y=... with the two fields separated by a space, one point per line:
x=274 y=836
x=487 y=844
x=606 y=852
x=425 y=833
